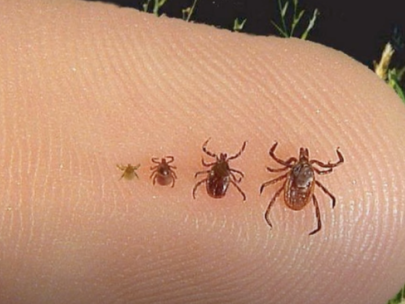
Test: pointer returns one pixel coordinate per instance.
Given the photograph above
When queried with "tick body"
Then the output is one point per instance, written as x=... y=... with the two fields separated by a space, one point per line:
x=163 y=173
x=299 y=182
x=220 y=175
x=129 y=171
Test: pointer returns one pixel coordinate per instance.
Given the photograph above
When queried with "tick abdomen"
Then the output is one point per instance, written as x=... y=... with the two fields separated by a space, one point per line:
x=217 y=186
x=299 y=186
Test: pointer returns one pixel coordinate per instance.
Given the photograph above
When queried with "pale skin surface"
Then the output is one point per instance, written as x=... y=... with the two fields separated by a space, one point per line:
x=84 y=86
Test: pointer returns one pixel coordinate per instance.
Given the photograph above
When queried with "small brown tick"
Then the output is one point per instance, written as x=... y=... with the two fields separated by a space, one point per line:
x=163 y=173
x=129 y=171
x=220 y=174
x=300 y=182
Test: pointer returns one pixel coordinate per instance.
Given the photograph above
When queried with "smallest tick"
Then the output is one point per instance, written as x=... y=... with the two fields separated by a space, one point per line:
x=163 y=173
x=129 y=171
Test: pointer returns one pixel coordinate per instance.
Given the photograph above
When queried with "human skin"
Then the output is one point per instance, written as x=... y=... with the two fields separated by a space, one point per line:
x=86 y=86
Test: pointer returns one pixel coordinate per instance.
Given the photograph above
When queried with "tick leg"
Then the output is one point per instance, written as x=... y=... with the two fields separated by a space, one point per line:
x=173 y=175
x=155 y=160
x=197 y=185
x=327 y=192
x=121 y=167
x=154 y=168
x=273 y=181
x=318 y=215
x=329 y=164
x=238 y=180
x=207 y=165
x=237 y=171
x=267 y=213
x=171 y=159
x=239 y=153
x=204 y=148
x=286 y=163
x=239 y=189
x=154 y=172
x=277 y=170
x=201 y=172
x=321 y=172
x=154 y=178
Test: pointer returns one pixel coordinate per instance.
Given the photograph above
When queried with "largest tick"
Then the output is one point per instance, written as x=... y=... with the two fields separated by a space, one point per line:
x=300 y=182
x=220 y=175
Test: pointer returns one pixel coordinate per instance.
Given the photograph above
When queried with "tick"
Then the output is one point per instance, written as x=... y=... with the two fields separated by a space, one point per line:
x=163 y=173
x=220 y=175
x=299 y=182
x=129 y=171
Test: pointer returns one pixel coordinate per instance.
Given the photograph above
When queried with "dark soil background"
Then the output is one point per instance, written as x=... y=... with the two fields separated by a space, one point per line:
x=359 y=28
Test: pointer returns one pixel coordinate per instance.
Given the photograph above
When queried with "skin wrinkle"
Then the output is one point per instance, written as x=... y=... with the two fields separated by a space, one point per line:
x=36 y=188
x=294 y=113
x=22 y=215
x=314 y=92
x=48 y=148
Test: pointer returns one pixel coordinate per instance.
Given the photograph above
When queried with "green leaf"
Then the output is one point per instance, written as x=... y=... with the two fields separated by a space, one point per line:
x=280 y=30
x=399 y=297
x=238 y=24
x=310 y=25
x=284 y=9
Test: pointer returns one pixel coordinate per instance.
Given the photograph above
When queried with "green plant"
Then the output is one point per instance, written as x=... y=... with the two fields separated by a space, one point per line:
x=288 y=31
x=157 y=4
x=399 y=298
x=394 y=80
x=392 y=76
x=238 y=24
x=188 y=12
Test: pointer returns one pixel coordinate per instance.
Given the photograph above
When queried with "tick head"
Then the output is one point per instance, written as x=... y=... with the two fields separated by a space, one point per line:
x=223 y=157
x=304 y=154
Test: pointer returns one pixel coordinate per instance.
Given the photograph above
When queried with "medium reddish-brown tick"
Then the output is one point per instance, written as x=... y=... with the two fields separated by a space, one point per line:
x=220 y=174
x=129 y=171
x=300 y=182
x=163 y=173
